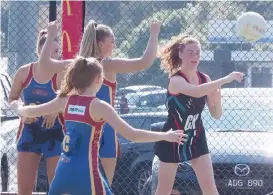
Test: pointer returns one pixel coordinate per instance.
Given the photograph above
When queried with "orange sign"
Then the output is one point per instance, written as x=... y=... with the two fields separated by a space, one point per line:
x=68 y=8
x=68 y=41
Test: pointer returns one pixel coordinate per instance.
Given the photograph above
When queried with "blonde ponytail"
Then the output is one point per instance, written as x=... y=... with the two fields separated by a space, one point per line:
x=89 y=45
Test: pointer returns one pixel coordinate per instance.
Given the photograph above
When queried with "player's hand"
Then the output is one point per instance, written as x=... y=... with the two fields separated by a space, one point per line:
x=234 y=76
x=27 y=120
x=49 y=120
x=52 y=29
x=15 y=106
x=177 y=136
x=155 y=26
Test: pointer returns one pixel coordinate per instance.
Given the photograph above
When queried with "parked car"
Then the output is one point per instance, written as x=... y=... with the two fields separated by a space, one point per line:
x=150 y=101
x=135 y=91
x=134 y=166
x=8 y=131
x=240 y=144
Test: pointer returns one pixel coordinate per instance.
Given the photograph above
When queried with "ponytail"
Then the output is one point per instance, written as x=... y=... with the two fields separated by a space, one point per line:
x=89 y=46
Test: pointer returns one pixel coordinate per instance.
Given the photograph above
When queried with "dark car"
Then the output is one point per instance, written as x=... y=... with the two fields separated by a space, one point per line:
x=134 y=165
x=131 y=94
x=240 y=144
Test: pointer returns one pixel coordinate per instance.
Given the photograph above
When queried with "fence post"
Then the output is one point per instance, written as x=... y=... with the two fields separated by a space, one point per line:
x=52 y=11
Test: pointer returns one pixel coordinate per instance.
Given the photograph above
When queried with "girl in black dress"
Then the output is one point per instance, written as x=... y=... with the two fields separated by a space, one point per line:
x=188 y=92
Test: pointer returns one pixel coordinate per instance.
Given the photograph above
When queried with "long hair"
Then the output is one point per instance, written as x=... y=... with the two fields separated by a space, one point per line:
x=169 y=54
x=80 y=75
x=93 y=34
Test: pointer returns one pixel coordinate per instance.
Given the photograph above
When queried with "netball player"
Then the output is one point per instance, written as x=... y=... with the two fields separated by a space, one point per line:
x=98 y=41
x=78 y=170
x=188 y=92
x=42 y=135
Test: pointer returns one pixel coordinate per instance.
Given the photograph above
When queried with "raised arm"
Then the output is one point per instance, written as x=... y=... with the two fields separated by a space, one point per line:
x=119 y=65
x=106 y=112
x=45 y=59
x=55 y=105
x=180 y=85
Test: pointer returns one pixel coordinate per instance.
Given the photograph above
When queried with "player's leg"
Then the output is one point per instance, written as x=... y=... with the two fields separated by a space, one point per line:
x=166 y=176
x=28 y=159
x=167 y=168
x=106 y=187
x=109 y=151
x=203 y=169
x=51 y=164
x=109 y=166
x=51 y=152
x=27 y=165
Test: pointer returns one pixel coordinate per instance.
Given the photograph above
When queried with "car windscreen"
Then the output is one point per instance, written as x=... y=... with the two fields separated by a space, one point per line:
x=242 y=113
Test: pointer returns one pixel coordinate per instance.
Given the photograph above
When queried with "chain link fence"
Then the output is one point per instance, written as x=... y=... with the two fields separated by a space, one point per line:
x=240 y=141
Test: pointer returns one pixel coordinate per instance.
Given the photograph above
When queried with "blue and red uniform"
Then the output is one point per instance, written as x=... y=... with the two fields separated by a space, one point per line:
x=33 y=137
x=109 y=141
x=78 y=170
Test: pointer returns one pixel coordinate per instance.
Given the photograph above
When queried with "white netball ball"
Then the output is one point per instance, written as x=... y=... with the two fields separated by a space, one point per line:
x=251 y=26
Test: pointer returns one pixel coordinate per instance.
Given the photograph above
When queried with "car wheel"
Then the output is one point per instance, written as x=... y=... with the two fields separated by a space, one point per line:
x=143 y=174
x=147 y=187
x=4 y=173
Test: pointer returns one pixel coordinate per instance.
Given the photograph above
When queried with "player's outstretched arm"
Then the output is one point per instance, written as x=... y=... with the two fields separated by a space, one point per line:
x=102 y=110
x=55 y=105
x=180 y=85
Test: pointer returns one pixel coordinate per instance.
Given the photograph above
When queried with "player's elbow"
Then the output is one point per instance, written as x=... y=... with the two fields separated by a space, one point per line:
x=197 y=92
x=217 y=116
x=146 y=61
x=216 y=113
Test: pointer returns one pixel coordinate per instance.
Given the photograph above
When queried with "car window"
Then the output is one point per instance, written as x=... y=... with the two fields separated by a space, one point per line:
x=150 y=89
x=242 y=113
x=125 y=91
x=141 y=123
x=152 y=100
x=133 y=98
